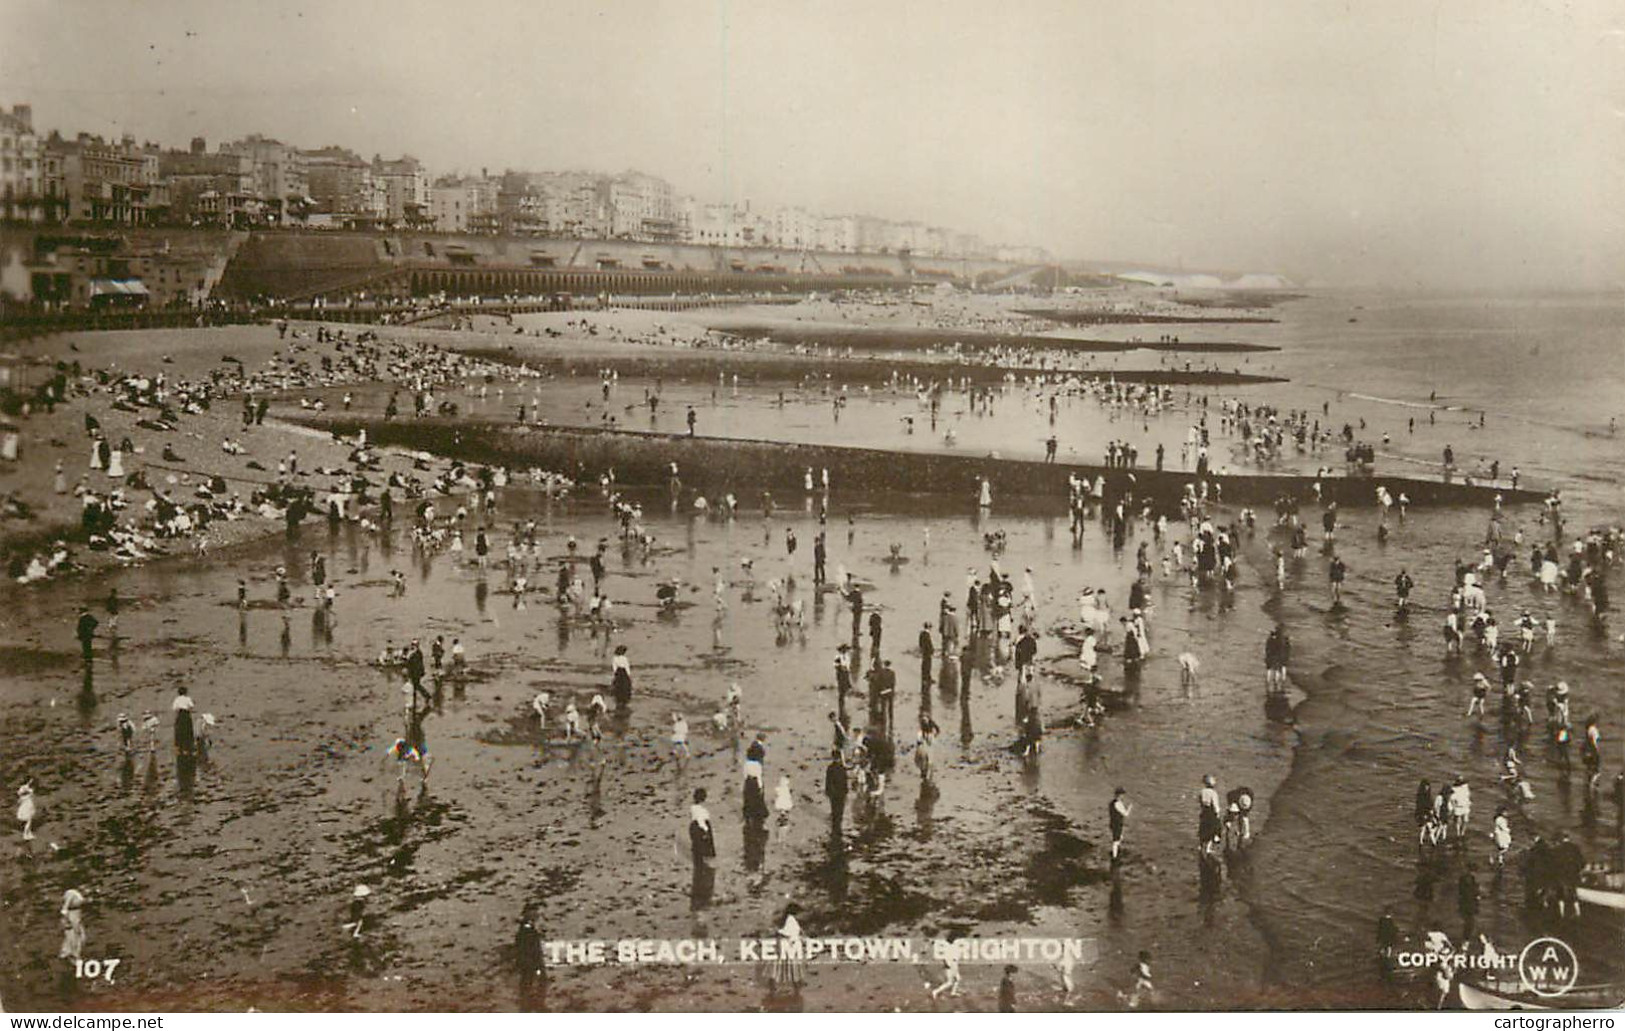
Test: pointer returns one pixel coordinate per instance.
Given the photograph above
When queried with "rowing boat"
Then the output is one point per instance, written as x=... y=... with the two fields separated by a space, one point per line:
x=1605 y=897
x=1602 y=887
x=1477 y=998
x=1484 y=997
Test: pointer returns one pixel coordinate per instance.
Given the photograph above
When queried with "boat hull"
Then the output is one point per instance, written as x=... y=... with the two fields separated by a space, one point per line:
x=1474 y=998
x=1601 y=897
x=1479 y=997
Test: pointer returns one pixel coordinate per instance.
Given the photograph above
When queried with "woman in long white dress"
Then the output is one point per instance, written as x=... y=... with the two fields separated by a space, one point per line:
x=73 y=924
x=25 y=809
x=790 y=969
x=1097 y=614
x=1088 y=654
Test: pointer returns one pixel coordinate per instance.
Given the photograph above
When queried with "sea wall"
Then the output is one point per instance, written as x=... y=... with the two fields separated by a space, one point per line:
x=288 y=263
x=715 y=464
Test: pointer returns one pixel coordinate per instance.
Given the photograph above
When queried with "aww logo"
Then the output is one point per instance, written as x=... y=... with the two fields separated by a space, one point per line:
x=1547 y=967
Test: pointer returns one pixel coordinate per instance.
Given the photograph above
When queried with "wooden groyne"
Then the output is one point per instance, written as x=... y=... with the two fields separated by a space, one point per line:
x=911 y=338
x=712 y=464
x=1098 y=317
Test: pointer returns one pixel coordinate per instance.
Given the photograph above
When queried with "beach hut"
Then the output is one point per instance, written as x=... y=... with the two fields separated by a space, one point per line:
x=13 y=372
x=117 y=293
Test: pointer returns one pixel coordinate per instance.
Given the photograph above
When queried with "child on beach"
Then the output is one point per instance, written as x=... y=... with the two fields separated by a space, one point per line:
x=595 y=716
x=783 y=803
x=950 y=974
x=679 y=736
x=1143 y=988
x=1481 y=688
x=25 y=809
x=1502 y=835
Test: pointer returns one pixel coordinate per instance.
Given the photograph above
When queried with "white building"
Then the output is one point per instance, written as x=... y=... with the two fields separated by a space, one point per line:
x=793 y=228
x=21 y=167
x=279 y=171
x=565 y=204
x=454 y=205
x=404 y=184
x=639 y=207
x=838 y=233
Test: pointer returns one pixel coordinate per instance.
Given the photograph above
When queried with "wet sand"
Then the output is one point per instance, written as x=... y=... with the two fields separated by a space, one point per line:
x=297 y=803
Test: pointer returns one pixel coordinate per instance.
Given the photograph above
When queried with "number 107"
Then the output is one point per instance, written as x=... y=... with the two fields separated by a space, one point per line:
x=94 y=968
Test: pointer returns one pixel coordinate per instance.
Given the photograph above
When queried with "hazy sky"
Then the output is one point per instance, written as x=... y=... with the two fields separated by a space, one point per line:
x=1401 y=143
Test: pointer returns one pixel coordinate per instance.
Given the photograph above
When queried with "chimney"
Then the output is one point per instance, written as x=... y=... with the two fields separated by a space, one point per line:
x=24 y=113
x=199 y=145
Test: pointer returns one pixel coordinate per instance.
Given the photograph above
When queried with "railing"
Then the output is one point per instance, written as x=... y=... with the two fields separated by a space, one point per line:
x=14 y=326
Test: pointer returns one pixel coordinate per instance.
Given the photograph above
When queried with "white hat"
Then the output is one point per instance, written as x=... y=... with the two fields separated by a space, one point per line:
x=361 y=891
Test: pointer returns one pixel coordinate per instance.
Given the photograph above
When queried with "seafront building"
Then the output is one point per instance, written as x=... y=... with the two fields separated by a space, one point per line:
x=104 y=182
x=259 y=182
x=404 y=184
x=279 y=177
x=211 y=189
x=22 y=169
x=344 y=192
x=88 y=222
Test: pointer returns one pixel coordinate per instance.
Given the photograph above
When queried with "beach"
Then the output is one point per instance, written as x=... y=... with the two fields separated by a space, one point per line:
x=223 y=883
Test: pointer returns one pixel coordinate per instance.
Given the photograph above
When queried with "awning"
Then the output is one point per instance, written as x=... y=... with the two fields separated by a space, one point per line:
x=103 y=287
